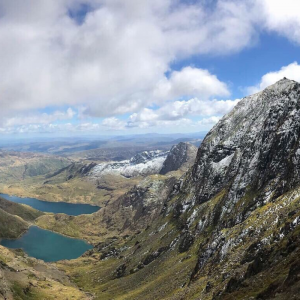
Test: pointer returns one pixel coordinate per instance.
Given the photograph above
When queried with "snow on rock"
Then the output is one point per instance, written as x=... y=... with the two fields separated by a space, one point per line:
x=144 y=163
x=149 y=162
x=251 y=147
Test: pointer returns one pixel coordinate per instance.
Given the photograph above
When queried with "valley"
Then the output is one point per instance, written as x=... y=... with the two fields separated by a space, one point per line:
x=220 y=222
x=150 y=150
x=91 y=224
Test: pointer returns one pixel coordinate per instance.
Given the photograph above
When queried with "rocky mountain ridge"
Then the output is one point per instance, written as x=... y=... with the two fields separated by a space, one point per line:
x=229 y=228
x=179 y=155
x=148 y=162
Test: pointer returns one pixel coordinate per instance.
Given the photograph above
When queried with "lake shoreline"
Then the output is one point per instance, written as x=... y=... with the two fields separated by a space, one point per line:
x=70 y=209
x=23 y=196
x=68 y=248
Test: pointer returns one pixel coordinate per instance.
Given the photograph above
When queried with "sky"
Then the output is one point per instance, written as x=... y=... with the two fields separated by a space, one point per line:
x=104 y=67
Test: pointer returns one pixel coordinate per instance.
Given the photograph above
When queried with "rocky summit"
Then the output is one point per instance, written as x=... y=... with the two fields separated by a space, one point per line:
x=179 y=155
x=228 y=228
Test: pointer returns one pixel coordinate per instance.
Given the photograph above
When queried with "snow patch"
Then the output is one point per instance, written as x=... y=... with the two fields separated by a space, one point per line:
x=144 y=163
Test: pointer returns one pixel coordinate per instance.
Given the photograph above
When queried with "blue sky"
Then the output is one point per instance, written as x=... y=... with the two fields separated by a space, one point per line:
x=101 y=67
x=246 y=68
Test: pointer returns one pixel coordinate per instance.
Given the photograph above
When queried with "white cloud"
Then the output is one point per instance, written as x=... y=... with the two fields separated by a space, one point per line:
x=178 y=110
x=113 y=123
x=291 y=71
x=281 y=16
x=190 y=82
x=52 y=128
x=172 y=114
x=209 y=121
x=41 y=118
x=116 y=60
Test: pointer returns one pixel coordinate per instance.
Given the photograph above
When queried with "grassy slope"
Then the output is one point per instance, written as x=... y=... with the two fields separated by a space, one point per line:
x=169 y=275
x=77 y=190
x=14 y=218
x=110 y=220
x=15 y=166
x=27 y=213
x=11 y=226
x=27 y=278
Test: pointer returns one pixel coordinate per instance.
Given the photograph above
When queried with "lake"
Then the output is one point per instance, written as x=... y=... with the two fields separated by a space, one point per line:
x=47 y=245
x=71 y=209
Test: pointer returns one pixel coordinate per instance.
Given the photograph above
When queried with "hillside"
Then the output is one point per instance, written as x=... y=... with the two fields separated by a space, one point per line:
x=15 y=218
x=16 y=166
x=134 y=208
x=27 y=278
x=228 y=229
x=99 y=183
x=23 y=211
x=11 y=226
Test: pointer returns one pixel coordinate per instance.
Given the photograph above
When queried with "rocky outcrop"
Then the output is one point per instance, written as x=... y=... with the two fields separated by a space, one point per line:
x=180 y=155
x=254 y=147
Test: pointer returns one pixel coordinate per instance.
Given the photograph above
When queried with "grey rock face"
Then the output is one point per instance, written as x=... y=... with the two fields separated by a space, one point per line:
x=254 y=147
x=178 y=156
x=145 y=156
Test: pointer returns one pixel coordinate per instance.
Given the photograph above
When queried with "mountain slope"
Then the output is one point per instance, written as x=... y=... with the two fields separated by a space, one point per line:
x=26 y=212
x=28 y=278
x=11 y=226
x=16 y=166
x=14 y=218
x=229 y=229
x=150 y=162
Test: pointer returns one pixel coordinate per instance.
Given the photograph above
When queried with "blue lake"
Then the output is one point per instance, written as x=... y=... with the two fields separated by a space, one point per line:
x=47 y=245
x=54 y=207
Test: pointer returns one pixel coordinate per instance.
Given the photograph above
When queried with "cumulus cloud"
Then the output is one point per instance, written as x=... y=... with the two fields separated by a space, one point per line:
x=291 y=71
x=178 y=110
x=209 y=121
x=190 y=82
x=113 y=123
x=281 y=16
x=115 y=61
x=112 y=57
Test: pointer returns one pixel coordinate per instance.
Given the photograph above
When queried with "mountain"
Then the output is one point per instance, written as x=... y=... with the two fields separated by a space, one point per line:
x=179 y=156
x=228 y=229
x=144 y=163
x=139 y=201
x=149 y=162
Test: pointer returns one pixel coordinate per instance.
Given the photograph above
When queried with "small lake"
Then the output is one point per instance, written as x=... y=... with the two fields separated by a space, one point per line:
x=47 y=245
x=71 y=209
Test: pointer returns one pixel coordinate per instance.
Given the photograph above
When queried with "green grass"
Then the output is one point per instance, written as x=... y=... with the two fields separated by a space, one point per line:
x=25 y=293
x=24 y=211
x=11 y=226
